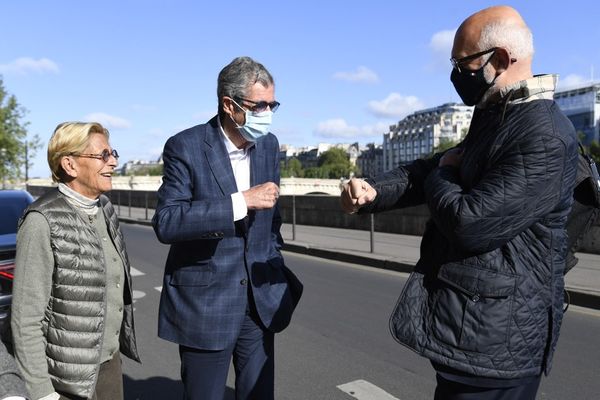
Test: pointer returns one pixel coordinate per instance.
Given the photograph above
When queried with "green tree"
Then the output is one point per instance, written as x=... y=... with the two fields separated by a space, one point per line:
x=594 y=151
x=156 y=171
x=293 y=169
x=444 y=145
x=316 y=172
x=32 y=145
x=334 y=164
x=16 y=150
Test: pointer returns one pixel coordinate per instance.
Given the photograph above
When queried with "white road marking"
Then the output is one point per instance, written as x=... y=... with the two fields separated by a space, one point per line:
x=363 y=390
x=138 y=294
x=159 y=288
x=136 y=272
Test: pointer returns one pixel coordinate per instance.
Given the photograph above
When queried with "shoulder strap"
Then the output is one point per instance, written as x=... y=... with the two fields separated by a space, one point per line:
x=587 y=183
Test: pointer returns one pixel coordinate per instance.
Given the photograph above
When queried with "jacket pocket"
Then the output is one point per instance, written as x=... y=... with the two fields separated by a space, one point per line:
x=472 y=307
x=200 y=274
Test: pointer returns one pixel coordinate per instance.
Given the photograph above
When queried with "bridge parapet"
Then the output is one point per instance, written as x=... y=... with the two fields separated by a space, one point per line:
x=302 y=186
x=289 y=186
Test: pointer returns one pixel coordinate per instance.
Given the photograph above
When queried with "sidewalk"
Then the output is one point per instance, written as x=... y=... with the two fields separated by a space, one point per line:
x=397 y=252
x=401 y=252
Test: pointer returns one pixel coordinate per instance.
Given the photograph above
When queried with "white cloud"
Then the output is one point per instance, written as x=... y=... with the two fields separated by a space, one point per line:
x=362 y=74
x=441 y=42
x=440 y=45
x=571 y=80
x=25 y=65
x=339 y=128
x=395 y=105
x=108 y=121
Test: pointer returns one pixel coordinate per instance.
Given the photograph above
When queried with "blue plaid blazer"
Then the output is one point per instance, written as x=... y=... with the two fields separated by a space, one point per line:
x=213 y=262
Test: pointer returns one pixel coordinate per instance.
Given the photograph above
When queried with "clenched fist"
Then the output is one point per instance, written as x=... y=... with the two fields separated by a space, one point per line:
x=261 y=196
x=355 y=194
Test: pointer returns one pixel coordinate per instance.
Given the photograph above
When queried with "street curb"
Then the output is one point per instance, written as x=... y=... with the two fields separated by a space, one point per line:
x=577 y=298
x=349 y=258
x=582 y=299
x=135 y=221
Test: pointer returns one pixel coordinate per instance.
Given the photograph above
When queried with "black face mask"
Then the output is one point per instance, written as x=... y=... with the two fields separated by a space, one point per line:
x=471 y=85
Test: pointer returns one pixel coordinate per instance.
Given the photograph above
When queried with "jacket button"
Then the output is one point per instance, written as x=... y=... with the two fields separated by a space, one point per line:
x=244 y=282
x=475 y=298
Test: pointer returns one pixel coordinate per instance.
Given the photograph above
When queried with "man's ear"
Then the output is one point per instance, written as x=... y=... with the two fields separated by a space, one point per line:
x=228 y=106
x=502 y=60
x=69 y=166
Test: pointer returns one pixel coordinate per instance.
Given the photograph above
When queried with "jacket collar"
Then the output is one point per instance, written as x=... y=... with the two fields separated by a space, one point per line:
x=540 y=87
x=220 y=164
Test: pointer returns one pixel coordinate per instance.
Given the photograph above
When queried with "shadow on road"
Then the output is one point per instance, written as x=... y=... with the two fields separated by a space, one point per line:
x=159 y=388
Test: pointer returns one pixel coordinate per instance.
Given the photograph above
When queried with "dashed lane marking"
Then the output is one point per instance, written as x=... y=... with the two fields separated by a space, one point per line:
x=136 y=272
x=138 y=294
x=363 y=390
x=159 y=288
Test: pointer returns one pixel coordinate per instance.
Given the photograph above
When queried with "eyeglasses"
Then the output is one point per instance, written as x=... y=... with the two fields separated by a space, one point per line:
x=456 y=62
x=260 y=106
x=104 y=156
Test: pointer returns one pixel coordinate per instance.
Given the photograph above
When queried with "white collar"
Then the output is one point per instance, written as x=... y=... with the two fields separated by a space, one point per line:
x=231 y=148
x=88 y=206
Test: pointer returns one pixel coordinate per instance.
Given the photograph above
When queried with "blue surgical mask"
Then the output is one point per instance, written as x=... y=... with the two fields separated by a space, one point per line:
x=257 y=124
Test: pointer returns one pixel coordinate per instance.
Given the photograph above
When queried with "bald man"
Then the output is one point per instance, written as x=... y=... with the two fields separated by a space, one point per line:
x=484 y=302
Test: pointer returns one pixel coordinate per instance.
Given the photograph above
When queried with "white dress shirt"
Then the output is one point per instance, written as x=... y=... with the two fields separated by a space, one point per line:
x=240 y=164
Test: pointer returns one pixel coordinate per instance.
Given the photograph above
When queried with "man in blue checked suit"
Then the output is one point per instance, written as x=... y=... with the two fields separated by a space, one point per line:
x=226 y=289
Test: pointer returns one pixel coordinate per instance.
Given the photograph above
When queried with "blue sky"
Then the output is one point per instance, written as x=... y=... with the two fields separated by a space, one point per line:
x=344 y=70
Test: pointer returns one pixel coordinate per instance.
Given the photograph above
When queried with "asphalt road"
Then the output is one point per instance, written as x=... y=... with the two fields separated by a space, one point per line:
x=338 y=336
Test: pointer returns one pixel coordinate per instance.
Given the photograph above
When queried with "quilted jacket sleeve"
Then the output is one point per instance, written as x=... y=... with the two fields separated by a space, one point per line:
x=401 y=187
x=521 y=187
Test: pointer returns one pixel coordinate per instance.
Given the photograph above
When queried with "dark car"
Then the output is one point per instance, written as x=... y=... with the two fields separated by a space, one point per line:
x=12 y=204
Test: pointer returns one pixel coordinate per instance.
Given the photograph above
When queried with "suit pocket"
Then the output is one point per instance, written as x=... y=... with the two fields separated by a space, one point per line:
x=200 y=274
x=472 y=307
x=294 y=285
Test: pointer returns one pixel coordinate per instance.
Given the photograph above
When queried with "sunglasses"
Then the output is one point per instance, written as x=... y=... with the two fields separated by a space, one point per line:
x=456 y=62
x=104 y=156
x=260 y=106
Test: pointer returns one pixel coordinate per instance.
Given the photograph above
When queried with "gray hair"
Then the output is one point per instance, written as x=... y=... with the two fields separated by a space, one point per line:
x=236 y=79
x=517 y=39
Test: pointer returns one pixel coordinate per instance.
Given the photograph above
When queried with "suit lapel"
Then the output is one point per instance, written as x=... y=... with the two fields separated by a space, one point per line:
x=218 y=159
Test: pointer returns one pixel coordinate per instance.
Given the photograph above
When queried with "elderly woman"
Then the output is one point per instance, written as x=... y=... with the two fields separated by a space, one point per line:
x=72 y=308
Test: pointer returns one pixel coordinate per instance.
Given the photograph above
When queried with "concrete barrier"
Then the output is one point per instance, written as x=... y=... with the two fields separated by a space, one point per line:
x=324 y=210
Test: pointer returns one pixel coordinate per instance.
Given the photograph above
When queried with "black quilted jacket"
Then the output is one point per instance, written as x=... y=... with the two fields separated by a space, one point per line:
x=486 y=296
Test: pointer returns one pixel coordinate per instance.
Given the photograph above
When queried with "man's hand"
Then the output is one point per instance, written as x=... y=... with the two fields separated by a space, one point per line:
x=261 y=196
x=355 y=194
x=452 y=157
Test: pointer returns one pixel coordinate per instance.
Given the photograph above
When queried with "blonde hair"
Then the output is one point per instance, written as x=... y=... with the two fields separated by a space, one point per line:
x=68 y=138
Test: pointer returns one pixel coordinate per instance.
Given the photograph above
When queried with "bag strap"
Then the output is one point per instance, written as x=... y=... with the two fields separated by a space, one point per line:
x=594 y=175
